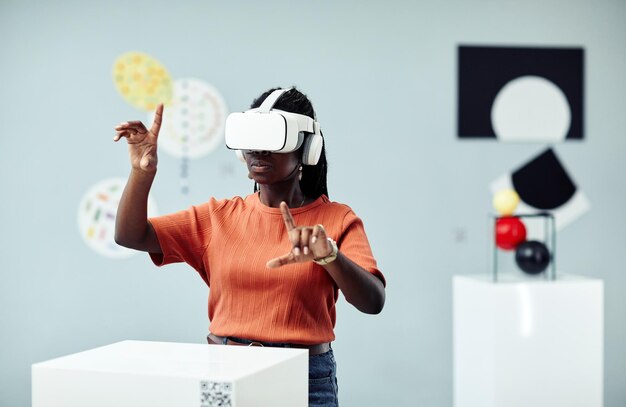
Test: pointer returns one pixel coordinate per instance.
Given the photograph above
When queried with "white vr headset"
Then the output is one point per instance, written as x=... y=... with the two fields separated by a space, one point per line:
x=277 y=131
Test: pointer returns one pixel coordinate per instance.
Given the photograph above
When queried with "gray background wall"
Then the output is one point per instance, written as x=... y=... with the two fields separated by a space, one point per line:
x=382 y=76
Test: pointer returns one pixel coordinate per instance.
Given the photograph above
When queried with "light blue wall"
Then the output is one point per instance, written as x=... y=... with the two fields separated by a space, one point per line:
x=382 y=76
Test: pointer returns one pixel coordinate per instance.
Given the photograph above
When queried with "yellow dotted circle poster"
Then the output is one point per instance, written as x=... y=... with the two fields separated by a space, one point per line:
x=142 y=80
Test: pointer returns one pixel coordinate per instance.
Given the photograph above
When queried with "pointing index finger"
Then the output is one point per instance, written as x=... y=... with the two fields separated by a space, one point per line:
x=289 y=222
x=158 y=117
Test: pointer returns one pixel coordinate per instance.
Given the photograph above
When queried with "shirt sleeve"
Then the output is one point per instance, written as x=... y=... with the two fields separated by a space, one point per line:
x=183 y=237
x=354 y=245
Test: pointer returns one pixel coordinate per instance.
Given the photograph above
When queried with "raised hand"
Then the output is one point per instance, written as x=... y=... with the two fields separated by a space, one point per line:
x=142 y=143
x=307 y=242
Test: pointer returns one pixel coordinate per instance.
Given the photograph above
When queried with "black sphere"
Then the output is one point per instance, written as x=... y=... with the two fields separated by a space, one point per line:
x=532 y=256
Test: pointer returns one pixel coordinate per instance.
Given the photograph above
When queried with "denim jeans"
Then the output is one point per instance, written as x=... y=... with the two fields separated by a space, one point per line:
x=323 y=380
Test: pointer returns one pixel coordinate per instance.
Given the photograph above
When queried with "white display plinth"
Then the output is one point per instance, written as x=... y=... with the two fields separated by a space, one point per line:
x=155 y=374
x=528 y=342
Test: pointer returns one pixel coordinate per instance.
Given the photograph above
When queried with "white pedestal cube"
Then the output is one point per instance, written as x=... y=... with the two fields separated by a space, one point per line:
x=158 y=374
x=528 y=342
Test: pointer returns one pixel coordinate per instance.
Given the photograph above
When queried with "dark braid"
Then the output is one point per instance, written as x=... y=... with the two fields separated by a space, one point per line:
x=313 y=182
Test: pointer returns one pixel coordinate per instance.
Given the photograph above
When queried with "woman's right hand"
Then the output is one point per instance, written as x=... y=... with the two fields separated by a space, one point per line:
x=142 y=143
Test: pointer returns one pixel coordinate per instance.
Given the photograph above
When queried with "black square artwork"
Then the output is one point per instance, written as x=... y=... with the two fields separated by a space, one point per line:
x=543 y=183
x=483 y=71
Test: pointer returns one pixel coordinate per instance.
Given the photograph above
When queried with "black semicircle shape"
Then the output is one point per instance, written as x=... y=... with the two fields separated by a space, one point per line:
x=543 y=183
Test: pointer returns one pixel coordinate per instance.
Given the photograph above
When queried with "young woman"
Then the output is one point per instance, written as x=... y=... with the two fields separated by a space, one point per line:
x=274 y=260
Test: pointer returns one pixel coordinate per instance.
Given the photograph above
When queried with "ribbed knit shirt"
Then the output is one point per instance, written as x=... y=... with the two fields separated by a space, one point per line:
x=228 y=242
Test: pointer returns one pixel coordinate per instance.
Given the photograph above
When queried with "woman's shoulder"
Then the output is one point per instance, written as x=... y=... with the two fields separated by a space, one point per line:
x=337 y=214
x=338 y=207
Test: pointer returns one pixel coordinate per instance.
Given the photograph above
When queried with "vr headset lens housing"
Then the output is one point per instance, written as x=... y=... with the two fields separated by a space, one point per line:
x=275 y=131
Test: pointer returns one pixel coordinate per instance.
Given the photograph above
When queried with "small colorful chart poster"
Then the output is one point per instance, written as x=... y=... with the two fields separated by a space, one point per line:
x=96 y=217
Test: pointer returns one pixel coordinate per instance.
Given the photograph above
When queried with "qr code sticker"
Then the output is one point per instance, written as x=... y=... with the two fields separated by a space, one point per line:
x=216 y=394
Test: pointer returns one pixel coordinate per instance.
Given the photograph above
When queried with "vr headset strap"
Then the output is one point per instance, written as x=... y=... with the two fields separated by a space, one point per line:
x=269 y=101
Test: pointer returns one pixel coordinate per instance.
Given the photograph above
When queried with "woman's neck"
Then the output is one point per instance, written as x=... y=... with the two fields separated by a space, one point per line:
x=272 y=195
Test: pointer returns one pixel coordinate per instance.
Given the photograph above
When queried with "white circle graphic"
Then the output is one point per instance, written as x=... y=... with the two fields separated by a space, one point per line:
x=193 y=124
x=531 y=109
x=96 y=217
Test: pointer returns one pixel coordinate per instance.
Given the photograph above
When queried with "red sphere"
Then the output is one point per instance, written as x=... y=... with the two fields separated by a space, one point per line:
x=510 y=232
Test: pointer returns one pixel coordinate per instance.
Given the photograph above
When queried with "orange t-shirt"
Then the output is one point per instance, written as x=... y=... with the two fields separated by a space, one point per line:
x=229 y=242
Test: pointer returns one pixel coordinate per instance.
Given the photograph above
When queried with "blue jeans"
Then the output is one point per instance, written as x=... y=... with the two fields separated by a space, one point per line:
x=323 y=380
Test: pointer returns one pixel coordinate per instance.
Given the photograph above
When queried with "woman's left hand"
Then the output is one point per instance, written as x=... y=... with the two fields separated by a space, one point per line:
x=307 y=242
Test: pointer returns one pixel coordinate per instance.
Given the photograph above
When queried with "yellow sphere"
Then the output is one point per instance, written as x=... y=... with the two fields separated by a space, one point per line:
x=505 y=201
